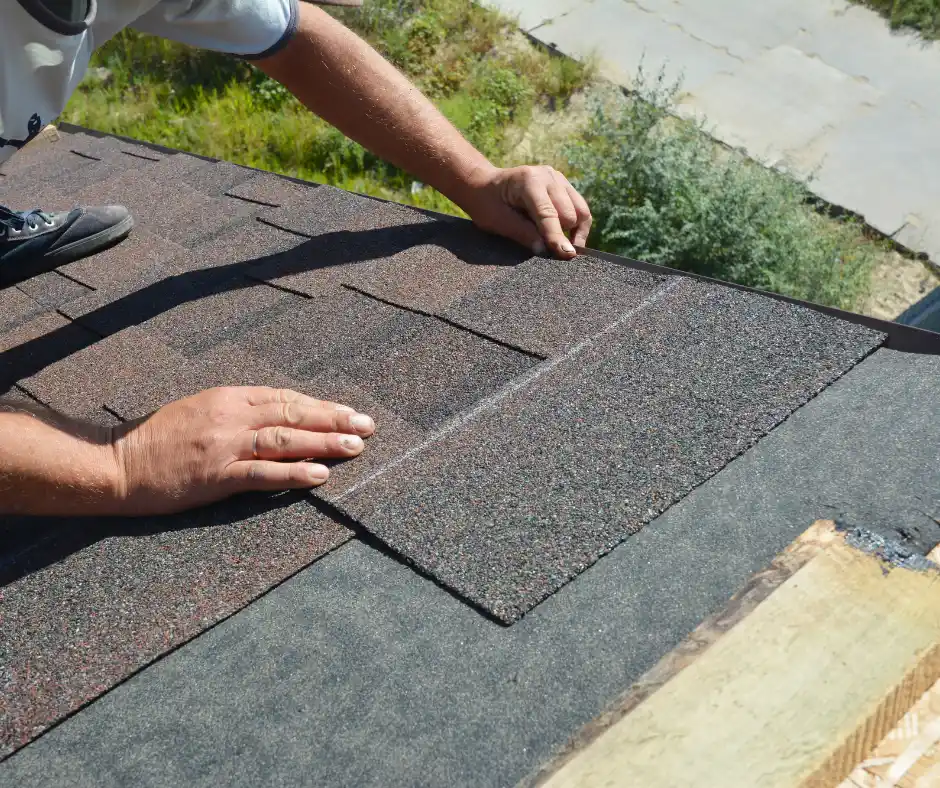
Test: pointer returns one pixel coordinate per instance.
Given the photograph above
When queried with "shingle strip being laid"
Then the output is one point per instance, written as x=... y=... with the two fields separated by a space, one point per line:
x=514 y=498
x=546 y=305
x=423 y=368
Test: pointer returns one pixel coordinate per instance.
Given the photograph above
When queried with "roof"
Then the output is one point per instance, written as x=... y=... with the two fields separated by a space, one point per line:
x=534 y=417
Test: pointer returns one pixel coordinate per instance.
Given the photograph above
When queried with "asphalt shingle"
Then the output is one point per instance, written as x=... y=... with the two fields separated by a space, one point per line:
x=508 y=504
x=424 y=369
x=81 y=384
x=545 y=305
x=53 y=289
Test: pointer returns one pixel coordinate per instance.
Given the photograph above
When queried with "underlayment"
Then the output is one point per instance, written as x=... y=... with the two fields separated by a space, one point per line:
x=359 y=672
x=533 y=486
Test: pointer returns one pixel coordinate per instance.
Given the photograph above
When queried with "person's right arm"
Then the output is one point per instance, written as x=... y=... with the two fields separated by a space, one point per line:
x=188 y=453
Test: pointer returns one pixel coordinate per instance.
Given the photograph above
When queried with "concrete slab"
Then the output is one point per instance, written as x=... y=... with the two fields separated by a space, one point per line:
x=777 y=104
x=741 y=28
x=894 y=190
x=532 y=13
x=623 y=36
x=857 y=41
x=795 y=83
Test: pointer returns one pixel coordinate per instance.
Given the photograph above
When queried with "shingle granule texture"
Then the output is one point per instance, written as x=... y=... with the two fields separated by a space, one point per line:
x=394 y=435
x=224 y=312
x=545 y=306
x=53 y=289
x=37 y=343
x=426 y=370
x=240 y=249
x=77 y=621
x=424 y=277
x=17 y=308
x=321 y=264
x=507 y=505
x=216 y=179
x=225 y=364
x=122 y=265
x=308 y=337
x=271 y=190
x=82 y=384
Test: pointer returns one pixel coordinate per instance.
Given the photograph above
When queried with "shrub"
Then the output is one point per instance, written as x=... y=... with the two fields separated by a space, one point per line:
x=921 y=15
x=662 y=191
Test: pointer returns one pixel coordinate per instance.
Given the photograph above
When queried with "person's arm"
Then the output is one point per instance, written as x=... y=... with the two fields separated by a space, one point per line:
x=190 y=452
x=51 y=465
x=347 y=83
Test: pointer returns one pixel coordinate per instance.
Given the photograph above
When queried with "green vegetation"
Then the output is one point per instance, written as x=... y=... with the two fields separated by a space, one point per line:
x=662 y=191
x=660 y=188
x=472 y=62
x=921 y=15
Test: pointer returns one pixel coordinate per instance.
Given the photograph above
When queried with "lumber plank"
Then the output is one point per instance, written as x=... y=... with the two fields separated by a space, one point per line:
x=909 y=755
x=795 y=692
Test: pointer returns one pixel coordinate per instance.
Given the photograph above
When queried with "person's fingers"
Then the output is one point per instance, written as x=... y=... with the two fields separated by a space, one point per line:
x=582 y=227
x=513 y=225
x=284 y=443
x=262 y=395
x=558 y=191
x=265 y=475
x=535 y=196
x=312 y=418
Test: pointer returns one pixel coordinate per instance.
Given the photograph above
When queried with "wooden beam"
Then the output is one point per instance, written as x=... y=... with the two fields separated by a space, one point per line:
x=909 y=756
x=792 y=684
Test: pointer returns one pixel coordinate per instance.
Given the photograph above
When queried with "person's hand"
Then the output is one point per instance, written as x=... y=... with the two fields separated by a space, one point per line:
x=534 y=206
x=228 y=440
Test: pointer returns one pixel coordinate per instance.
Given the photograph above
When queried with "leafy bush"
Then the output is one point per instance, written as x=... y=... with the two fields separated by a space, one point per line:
x=922 y=15
x=662 y=191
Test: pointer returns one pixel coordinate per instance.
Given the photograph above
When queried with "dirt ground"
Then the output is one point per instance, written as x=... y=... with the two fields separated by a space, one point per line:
x=897 y=283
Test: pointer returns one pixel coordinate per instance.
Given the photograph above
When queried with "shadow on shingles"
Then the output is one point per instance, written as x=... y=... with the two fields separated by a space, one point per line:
x=30 y=544
x=345 y=248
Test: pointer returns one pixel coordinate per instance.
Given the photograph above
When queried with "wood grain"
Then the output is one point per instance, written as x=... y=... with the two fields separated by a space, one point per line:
x=792 y=684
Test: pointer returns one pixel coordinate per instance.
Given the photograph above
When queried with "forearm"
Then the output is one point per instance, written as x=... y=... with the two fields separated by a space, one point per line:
x=344 y=81
x=50 y=465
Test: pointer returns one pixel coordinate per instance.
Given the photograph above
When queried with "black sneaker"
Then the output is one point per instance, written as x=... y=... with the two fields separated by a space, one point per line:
x=32 y=242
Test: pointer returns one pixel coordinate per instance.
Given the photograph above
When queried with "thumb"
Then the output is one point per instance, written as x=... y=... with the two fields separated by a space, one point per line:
x=513 y=225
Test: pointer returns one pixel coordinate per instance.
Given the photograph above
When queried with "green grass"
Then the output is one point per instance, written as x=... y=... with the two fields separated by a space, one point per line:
x=661 y=189
x=921 y=15
x=461 y=55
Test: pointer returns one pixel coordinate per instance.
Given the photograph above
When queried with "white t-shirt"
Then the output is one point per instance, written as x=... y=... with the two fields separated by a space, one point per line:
x=44 y=57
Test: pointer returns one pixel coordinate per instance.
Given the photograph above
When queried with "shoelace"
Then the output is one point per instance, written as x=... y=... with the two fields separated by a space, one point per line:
x=17 y=220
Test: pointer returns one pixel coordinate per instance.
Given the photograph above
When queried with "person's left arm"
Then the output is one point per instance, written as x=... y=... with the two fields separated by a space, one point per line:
x=347 y=83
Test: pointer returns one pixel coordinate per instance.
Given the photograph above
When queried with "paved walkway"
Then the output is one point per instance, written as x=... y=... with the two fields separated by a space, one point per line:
x=819 y=86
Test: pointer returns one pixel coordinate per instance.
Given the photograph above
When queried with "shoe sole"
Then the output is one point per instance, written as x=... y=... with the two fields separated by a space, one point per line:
x=98 y=242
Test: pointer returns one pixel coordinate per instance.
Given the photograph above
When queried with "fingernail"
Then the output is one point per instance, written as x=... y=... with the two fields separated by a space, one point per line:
x=567 y=247
x=351 y=442
x=361 y=423
x=317 y=473
x=538 y=247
